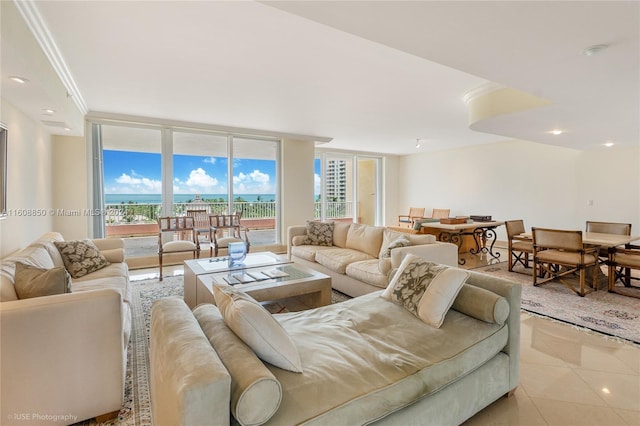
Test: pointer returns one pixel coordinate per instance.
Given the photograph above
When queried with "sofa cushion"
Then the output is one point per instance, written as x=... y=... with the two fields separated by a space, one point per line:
x=365 y=238
x=424 y=288
x=35 y=282
x=340 y=232
x=366 y=357
x=481 y=304
x=81 y=257
x=257 y=328
x=368 y=271
x=308 y=252
x=35 y=255
x=319 y=233
x=255 y=392
x=338 y=259
x=299 y=240
x=384 y=266
x=116 y=282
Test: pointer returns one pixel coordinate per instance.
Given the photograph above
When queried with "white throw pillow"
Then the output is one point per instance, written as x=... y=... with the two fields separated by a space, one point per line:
x=424 y=289
x=257 y=328
x=440 y=294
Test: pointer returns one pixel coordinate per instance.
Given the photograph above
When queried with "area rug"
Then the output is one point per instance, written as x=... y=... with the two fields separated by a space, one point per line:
x=607 y=313
x=136 y=409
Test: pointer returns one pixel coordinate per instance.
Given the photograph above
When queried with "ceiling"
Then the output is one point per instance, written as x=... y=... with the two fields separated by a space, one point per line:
x=369 y=76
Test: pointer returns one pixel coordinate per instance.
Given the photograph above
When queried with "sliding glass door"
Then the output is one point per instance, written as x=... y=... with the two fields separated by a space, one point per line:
x=148 y=171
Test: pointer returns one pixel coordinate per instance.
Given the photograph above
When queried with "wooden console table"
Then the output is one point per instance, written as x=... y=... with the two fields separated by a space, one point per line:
x=480 y=232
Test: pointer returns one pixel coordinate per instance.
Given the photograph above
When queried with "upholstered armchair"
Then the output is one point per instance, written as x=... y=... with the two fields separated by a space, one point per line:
x=225 y=229
x=519 y=247
x=177 y=234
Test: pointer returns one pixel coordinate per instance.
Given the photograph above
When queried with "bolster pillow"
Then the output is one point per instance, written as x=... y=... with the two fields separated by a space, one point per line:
x=482 y=304
x=255 y=392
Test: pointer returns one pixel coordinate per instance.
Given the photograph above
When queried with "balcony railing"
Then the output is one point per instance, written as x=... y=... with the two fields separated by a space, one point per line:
x=260 y=213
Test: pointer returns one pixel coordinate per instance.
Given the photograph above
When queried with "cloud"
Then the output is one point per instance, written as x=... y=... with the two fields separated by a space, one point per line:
x=198 y=182
x=135 y=184
x=317 y=183
x=255 y=182
x=210 y=160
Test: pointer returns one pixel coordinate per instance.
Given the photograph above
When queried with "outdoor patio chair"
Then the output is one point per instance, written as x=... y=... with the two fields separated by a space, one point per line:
x=177 y=234
x=225 y=229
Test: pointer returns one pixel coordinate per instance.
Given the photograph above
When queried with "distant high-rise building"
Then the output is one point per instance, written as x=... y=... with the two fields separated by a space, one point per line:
x=336 y=180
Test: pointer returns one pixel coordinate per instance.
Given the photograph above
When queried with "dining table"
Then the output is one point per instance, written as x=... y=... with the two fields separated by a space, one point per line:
x=609 y=241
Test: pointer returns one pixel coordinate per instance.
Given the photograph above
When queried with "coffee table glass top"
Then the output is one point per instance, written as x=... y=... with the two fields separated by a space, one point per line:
x=217 y=264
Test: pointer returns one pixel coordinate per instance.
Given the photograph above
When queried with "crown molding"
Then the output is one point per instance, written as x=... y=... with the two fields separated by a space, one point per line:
x=481 y=90
x=34 y=21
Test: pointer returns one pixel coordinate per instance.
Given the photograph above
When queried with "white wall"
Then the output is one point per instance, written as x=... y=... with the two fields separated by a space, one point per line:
x=29 y=177
x=542 y=184
x=297 y=158
x=70 y=186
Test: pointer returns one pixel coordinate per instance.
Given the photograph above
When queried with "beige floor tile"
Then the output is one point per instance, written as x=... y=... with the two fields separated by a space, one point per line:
x=513 y=411
x=630 y=356
x=617 y=390
x=557 y=383
x=538 y=355
x=629 y=416
x=559 y=413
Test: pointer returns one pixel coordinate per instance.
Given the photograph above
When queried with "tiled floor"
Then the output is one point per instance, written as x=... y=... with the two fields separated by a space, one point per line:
x=567 y=376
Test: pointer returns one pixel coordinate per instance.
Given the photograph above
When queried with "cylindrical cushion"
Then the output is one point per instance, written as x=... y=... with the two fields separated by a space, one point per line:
x=255 y=392
x=481 y=304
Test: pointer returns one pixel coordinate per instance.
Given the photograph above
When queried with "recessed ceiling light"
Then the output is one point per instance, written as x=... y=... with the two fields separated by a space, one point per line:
x=68 y=129
x=417 y=143
x=594 y=50
x=18 y=79
x=556 y=132
x=49 y=111
x=609 y=144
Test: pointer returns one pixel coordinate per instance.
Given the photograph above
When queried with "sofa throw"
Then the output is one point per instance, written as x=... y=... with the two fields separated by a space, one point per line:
x=81 y=257
x=36 y=282
x=319 y=233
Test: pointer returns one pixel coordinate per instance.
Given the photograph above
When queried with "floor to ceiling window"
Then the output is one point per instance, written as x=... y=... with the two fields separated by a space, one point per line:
x=152 y=171
x=347 y=188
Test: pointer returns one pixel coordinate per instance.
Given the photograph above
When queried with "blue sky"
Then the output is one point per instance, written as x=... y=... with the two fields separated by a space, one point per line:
x=140 y=173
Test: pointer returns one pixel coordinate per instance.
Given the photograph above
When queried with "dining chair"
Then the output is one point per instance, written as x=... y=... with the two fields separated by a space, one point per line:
x=440 y=213
x=177 y=234
x=621 y=261
x=407 y=220
x=225 y=229
x=519 y=247
x=607 y=228
x=558 y=253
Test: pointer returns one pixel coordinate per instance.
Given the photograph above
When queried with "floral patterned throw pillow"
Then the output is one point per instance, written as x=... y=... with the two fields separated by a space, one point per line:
x=319 y=233
x=425 y=289
x=398 y=242
x=81 y=257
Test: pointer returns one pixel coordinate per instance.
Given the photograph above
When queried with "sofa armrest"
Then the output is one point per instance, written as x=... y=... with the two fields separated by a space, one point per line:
x=62 y=351
x=111 y=248
x=294 y=231
x=189 y=383
x=438 y=252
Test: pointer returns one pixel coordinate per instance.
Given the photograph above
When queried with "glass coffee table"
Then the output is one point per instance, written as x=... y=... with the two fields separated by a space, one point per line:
x=309 y=287
x=296 y=286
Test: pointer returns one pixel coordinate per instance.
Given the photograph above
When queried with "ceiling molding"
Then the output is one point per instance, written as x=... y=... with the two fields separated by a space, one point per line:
x=34 y=21
x=482 y=90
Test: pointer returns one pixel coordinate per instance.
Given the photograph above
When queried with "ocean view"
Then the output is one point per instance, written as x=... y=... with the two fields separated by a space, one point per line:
x=179 y=198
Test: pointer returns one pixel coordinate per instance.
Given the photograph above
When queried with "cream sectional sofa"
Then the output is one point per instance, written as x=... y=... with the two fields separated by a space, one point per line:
x=354 y=260
x=364 y=361
x=63 y=357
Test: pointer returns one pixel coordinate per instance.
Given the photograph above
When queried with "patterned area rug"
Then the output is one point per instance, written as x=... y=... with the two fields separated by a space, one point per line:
x=136 y=409
x=608 y=313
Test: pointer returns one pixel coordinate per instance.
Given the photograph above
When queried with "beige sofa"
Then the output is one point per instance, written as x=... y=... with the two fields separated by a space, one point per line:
x=354 y=260
x=366 y=360
x=63 y=357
